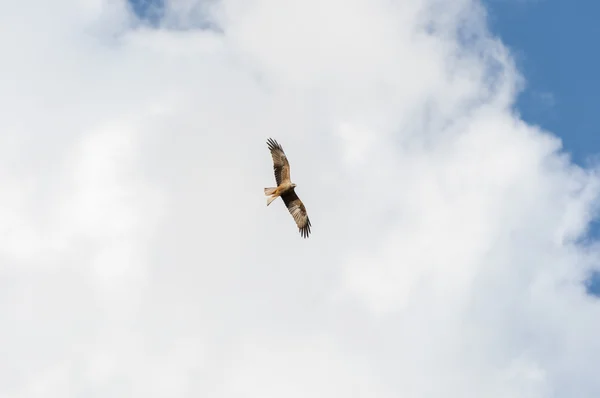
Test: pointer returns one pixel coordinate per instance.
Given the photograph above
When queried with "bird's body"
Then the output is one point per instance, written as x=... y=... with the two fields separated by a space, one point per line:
x=278 y=191
x=285 y=188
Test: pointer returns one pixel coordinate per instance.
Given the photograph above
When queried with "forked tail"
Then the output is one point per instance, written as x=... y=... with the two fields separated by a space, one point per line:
x=272 y=193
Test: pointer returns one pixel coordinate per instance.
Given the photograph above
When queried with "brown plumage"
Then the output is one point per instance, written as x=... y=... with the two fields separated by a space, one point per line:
x=285 y=188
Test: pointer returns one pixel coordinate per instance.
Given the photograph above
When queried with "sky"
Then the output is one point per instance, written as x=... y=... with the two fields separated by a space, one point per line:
x=450 y=241
x=551 y=41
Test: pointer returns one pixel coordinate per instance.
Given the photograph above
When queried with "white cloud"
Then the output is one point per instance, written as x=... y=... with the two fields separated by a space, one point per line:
x=138 y=257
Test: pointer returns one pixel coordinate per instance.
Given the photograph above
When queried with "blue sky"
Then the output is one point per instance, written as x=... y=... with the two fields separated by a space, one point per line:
x=552 y=43
x=149 y=10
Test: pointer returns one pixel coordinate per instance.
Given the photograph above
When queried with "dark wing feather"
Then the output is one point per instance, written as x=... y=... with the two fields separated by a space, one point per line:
x=281 y=166
x=298 y=211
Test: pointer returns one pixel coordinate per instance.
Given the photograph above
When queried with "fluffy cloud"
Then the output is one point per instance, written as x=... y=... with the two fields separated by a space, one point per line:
x=138 y=257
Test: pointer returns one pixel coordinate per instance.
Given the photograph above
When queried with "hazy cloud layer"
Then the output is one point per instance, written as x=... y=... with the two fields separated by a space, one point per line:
x=139 y=259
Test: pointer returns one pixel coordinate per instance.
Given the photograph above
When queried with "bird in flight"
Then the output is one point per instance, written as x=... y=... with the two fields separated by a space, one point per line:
x=285 y=188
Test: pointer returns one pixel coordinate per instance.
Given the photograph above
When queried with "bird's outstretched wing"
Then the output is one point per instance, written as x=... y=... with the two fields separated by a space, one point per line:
x=298 y=211
x=281 y=166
